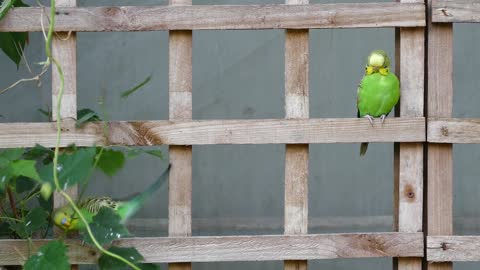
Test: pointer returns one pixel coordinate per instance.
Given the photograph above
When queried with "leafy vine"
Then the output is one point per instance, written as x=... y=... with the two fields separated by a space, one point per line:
x=38 y=170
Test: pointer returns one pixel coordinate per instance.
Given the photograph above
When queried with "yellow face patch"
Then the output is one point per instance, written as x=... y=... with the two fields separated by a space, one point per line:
x=376 y=60
x=369 y=70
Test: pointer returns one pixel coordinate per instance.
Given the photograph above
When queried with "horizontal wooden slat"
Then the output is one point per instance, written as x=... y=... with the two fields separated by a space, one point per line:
x=453 y=248
x=453 y=130
x=242 y=248
x=458 y=11
x=205 y=132
x=197 y=17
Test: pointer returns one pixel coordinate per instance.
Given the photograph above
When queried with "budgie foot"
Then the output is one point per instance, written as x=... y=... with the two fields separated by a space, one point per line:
x=370 y=119
x=382 y=119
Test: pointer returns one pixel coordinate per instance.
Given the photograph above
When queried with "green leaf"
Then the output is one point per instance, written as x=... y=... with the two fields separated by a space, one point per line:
x=25 y=168
x=5 y=229
x=111 y=161
x=5 y=7
x=19 y=3
x=34 y=221
x=52 y=256
x=24 y=184
x=128 y=92
x=39 y=152
x=134 y=152
x=12 y=154
x=73 y=168
x=85 y=116
x=106 y=262
x=47 y=113
x=155 y=153
x=5 y=176
x=106 y=226
x=13 y=45
x=46 y=204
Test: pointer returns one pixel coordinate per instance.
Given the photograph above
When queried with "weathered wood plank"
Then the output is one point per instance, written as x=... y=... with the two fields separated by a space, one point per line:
x=440 y=102
x=458 y=11
x=410 y=166
x=453 y=130
x=267 y=131
x=198 y=17
x=296 y=156
x=453 y=248
x=180 y=109
x=64 y=50
x=241 y=248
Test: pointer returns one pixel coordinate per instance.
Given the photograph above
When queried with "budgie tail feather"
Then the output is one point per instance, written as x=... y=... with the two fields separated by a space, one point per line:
x=128 y=208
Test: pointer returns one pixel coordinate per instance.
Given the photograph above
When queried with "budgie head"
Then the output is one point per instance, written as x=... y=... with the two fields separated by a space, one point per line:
x=378 y=61
x=64 y=218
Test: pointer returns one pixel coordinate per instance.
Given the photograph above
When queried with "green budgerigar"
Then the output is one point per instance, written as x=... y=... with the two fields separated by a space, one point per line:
x=66 y=218
x=378 y=92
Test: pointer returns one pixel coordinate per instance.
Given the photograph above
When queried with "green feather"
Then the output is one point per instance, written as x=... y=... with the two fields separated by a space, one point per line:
x=377 y=95
x=91 y=206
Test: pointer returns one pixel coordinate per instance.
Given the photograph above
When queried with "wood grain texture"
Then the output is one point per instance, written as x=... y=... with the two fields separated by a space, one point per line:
x=198 y=17
x=180 y=109
x=242 y=248
x=453 y=248
x=453 y=130
x=409 y=184
x=206 y=132
x=440 y=102
x=458 y=11
x=296 y=156
x=440 y=97
x=64 y=50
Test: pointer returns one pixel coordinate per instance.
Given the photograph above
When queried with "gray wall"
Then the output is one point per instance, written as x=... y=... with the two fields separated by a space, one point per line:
x=239 y=75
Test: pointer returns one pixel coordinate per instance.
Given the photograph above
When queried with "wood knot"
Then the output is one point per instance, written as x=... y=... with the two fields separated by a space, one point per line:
x=444 y=246
x=445 y=12
x=111 y=11
x=444 y=131
x=92 y=253
x=409 y=193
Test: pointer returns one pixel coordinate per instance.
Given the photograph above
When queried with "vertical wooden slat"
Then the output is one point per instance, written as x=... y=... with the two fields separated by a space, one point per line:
x=180 y=108
x=409 y=156
x=440 y=102
x=64 y=50
x=296 y=156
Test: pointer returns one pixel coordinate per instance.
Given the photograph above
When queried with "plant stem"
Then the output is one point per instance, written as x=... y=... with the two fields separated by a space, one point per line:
x=57 y=145
x=12 y=219
x=11 y=199
x=90 y=233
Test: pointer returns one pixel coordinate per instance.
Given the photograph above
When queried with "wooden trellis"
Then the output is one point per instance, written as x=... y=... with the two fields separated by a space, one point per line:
x=297 y=130
x=443 y=131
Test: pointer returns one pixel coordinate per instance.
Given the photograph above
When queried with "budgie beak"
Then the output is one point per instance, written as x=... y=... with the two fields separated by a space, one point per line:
x=65 y=223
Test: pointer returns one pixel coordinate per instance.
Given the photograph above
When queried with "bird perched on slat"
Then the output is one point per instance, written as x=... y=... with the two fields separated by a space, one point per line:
x=66 y=218
x=378 y=92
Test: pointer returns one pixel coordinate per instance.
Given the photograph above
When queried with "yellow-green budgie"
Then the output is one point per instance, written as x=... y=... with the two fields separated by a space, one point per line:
x=379 y=90
x=66 y=218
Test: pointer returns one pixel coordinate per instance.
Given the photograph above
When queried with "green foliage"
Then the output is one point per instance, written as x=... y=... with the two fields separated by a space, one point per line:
x=52 y=256
x=111 y=161
x=12 y=167
x=35 y=220
x=12 y=44
x=86 y=115
x=128 y=92
x=73 y=168
x=106 y=227
x=130 y=253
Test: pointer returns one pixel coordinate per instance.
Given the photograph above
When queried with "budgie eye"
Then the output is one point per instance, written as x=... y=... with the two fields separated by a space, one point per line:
x=64 y=221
